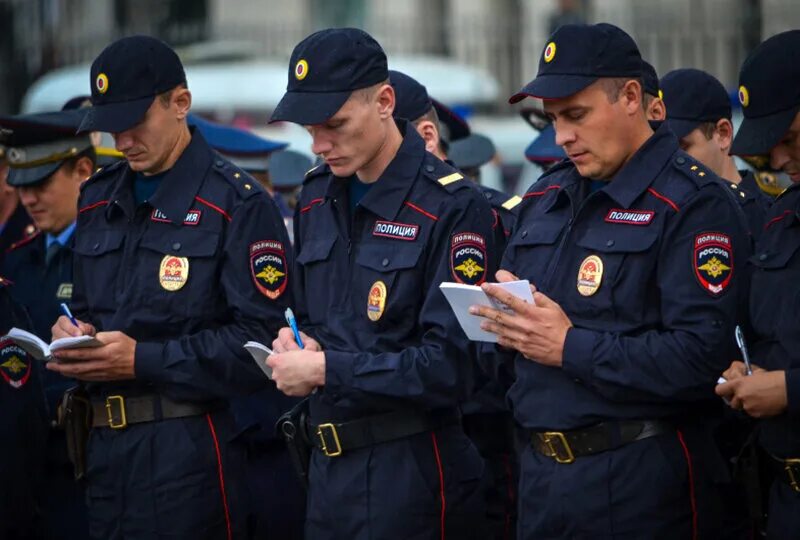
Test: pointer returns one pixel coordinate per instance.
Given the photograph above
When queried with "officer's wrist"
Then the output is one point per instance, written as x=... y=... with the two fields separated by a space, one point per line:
x=319 y=368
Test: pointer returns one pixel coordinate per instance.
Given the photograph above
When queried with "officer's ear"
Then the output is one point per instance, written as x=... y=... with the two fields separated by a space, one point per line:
x=656 y=110
x=182 y=101
x=427 y=130
x=631 y=96
x=82 y=169
x=385 y=100
x=723 y=132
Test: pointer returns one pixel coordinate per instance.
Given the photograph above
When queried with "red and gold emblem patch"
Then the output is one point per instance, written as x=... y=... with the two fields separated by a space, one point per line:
x=713 y=261
x=550 y=52
x=268 y=268
x=376 y=301
x=590 y=275
x=300 y=70
x=101 y=83
x=15 y=364
x=173 y=272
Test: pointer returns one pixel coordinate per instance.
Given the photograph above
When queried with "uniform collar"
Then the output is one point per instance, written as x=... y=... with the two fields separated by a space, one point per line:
x=389 y=192
x=177 y=190
x=748 y=185
x=63 y=238
x=645 y=165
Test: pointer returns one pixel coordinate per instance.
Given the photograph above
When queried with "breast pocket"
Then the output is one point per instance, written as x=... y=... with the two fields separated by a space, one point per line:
x=99 y=256
x=531 y=250
x=388 y=284
x=612 y=273
x=774 y=297
x=319 y=282
x=180 y=272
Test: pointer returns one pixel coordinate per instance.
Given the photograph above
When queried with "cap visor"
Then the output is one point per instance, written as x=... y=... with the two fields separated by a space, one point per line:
x=115 y=117
x=308 y=108
x=553 y=87
x=28 y=176
x=456 y=126
x=760 y=135
x=681 y=128
x=472 y=151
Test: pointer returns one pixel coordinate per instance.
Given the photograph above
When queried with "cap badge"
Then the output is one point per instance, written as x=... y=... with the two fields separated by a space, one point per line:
x=300 y=70
x=173 y=272
x=590 y=275
x=550 y=52
x=744 y=96
x=101 y=83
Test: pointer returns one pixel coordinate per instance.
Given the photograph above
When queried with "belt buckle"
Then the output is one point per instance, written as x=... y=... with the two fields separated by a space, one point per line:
x=793 y=474
x=549 y=437
x=321 y=434
x=123 y=420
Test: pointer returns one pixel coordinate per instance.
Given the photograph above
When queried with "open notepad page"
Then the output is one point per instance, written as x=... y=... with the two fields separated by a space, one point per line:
x=260 y=352
x=461 y=297
x=40 y=350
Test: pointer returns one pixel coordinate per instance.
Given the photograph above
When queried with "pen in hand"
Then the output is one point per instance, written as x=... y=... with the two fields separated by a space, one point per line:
x=292 y=322
x=743 y=349
x=68 y=313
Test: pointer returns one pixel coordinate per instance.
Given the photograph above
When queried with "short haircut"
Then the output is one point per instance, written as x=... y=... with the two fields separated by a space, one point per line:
x=165 y=97
x=366 y=94
x=613 y=86
x=707 y=129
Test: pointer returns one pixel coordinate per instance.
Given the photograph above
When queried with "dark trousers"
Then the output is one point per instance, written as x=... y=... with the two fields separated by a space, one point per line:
x=172 y=479
x=423 y=487
x=783 y=521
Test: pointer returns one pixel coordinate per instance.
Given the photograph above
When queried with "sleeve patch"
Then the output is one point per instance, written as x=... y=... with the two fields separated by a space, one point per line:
x=713 y=262
x=468 y=258
x=268 y=268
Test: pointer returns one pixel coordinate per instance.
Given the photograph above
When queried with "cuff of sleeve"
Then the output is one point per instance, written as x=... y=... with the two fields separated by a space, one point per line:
x=577 y=357
x=147 y=361
x=793 y=391
x=338 y=373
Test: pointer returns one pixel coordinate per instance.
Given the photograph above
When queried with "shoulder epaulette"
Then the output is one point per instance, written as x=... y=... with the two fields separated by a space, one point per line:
x=24 y=241
x=246 y=186
x=512 y=202
x=103 y=172
x=693 y=169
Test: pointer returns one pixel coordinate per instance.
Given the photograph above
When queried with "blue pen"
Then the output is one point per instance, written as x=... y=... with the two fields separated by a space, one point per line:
x=68 y=313
x=290 y=320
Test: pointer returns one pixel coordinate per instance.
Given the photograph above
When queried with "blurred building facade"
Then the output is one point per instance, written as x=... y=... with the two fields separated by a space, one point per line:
x=503 y=36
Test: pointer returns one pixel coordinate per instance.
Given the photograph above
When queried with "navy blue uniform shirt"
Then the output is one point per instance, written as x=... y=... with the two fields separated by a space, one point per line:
x=368 y=283
x=191 y=275
x=646 y=269
x=753 y=201
x=775 y=316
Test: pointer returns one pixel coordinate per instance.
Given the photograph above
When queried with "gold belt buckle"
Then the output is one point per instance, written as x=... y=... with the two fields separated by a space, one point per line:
x=321 y=434
x=123 y=420
x=550 y=437
x=789 y=466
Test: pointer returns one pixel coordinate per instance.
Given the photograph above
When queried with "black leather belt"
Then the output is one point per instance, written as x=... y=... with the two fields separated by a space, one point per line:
x=788 y=471
x=333 y=439
x=566 y=446
x=117 y=411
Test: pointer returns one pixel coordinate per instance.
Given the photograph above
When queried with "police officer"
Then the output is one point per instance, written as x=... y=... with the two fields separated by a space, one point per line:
x=699 y=113
x=769 y=92
x=15 y=223
x=180 y=258
x=48 y=163
x=633 y=255
x=655 y=108
x=379 y=226
x=22 y=429
x=277 y=500
x=486 y=418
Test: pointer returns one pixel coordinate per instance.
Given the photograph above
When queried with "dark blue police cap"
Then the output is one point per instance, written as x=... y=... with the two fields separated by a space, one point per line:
x=126 y=77
x=576 y=55
x=544 y=149
x=769 y=91
x=38 y=144
x=650 y=79
x=693 y=97
x=471 y=152
x=288 y=168
x=412 y=101
x=325 y=68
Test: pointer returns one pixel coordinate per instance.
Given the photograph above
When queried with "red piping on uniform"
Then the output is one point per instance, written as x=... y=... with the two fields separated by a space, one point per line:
x=213 y=207
x=421 y=211
x=441 y=481
x=312 y=203
x=658 y=195
x=24 y=241
x=221 y=476
x=777 y=219
x=691 y=485
x=539 y=193
x=95 y=205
